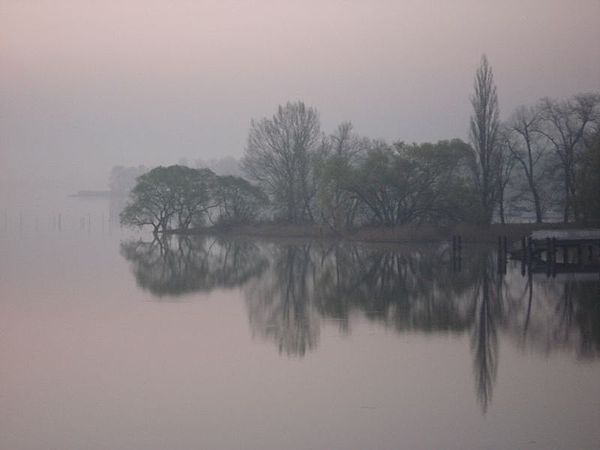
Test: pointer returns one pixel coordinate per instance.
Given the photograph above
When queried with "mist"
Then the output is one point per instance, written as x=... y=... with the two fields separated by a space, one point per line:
x=291 y=224
x=88 y=85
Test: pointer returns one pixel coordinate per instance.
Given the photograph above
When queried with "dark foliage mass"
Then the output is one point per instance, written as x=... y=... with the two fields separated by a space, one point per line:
x=177 y=198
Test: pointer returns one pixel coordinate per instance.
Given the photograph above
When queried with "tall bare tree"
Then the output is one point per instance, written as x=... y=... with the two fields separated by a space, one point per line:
x=566 y=125
x=522 y=138
x=484 y=127
x=278 y=156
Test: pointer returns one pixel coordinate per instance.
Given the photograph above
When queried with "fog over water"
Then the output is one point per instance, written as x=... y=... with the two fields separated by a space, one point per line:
x=86 y=85
x=117 y=338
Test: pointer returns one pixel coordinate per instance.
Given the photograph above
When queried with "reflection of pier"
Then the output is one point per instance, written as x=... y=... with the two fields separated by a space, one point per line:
x=560 y=251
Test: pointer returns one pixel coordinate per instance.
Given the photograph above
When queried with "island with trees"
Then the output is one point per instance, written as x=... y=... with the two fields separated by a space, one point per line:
x=541 y=164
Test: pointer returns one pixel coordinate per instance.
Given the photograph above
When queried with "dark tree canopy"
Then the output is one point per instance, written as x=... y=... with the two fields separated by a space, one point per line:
x=178 y=198
x=153 y=199
x=238 y=201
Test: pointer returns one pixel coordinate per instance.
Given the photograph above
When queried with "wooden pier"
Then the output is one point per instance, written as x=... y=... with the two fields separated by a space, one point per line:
x=559 y=251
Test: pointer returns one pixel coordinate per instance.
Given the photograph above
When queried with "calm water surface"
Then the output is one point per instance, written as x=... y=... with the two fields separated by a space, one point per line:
x=109 y=340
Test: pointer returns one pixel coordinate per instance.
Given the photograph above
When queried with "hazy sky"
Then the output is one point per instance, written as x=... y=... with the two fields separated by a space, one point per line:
x=87 y=84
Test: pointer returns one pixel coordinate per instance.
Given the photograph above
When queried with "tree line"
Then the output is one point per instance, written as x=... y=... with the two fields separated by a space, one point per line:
x=543 y=159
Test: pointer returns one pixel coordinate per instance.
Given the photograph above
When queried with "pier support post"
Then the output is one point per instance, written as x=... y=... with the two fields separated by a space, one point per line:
x=529 y=253
x=523 y=255
x=453 y=253
x=459 y=249
x=553 y=257
x=548 y=257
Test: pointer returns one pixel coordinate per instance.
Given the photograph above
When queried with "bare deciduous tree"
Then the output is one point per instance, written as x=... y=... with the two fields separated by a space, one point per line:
x=565 y=124
x=522 y=138
x=278 y=156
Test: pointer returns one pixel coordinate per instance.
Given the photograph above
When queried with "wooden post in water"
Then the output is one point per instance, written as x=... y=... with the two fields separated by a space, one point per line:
x=499 y=256
x=548 y=244
x=505 y=253
x=553 y=257
x=456 y=253
x=523 y=255
x=529 y=253
x=453 y=253
x=459 y=248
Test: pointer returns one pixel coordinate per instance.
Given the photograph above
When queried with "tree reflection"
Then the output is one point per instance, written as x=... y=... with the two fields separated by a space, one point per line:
x=176 y=265
x=290 y=289
x=405 y=290
x=587 y=317
x=487 y=311
x=415 y=289
x=280 y=306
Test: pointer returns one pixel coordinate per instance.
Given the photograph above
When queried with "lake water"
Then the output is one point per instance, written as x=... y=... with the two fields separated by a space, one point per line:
x=111 y=341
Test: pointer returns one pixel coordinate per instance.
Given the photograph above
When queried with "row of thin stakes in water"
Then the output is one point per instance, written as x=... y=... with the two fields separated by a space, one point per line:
x=21 y=222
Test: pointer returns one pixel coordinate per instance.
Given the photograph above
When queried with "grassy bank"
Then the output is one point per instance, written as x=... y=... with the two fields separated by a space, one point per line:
x=411 y=233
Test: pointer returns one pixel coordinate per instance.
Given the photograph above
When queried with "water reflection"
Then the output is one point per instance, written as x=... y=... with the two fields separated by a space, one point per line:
x=291 y=288
x=175 y=265
x=487 y=307
x=281 y=304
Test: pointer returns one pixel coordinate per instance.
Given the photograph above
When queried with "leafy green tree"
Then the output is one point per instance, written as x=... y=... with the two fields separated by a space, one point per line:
x=237 y=200
x=333 y=169
x=152 y=201
x=442 y=193
x=193 y=195
x=381 y=183
x=426 y=183
x=169 y=196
